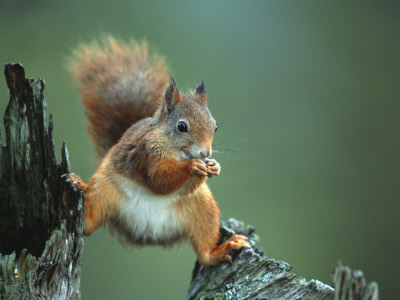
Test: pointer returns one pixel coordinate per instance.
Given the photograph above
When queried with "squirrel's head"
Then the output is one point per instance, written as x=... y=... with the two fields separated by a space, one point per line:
x=186 y=122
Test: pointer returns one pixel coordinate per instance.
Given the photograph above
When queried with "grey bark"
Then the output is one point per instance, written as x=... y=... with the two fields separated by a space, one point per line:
x=41 y=225
x=350 y=284
x=251 y=275
x=40 y=215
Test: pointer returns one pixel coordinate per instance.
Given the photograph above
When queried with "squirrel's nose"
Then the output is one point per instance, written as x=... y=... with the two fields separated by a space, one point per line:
x=205 y=153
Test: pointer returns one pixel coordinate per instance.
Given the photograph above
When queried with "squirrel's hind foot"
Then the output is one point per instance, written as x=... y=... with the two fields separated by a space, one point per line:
x=222 y=252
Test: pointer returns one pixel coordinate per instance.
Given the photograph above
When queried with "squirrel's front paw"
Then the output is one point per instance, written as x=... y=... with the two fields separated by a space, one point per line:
x=198 y=167
x=213 y=167
x=75 y=182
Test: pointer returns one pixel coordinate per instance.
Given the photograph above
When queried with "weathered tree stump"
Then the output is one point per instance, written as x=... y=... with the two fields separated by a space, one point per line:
x=251 y=275
x=40 y=215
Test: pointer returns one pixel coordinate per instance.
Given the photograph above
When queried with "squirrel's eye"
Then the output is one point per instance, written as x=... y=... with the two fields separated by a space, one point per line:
x=182 y=126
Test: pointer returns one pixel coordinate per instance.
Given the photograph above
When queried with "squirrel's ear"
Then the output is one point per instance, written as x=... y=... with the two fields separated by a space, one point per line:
x=172 y=96
x=201 y=91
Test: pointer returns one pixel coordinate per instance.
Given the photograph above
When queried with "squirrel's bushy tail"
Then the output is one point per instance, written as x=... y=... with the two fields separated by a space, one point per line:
x=119 y=84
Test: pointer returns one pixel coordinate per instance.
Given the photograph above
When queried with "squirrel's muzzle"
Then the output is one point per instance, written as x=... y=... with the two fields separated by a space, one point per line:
x=205 y=153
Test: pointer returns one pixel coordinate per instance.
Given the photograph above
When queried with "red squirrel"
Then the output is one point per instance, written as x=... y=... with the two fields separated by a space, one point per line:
x=154 y=143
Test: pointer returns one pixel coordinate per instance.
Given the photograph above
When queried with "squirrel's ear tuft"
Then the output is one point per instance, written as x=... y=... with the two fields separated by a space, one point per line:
x=172 y=96
x=201 y=91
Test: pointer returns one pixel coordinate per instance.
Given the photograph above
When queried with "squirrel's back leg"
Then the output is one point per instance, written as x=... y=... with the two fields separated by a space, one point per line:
x=203 y=229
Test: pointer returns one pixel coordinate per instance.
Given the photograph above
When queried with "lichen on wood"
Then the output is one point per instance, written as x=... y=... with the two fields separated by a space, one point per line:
x=251 y=275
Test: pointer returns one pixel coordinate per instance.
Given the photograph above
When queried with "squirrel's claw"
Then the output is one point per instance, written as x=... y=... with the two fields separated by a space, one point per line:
x=228 y=258
x=70 y=174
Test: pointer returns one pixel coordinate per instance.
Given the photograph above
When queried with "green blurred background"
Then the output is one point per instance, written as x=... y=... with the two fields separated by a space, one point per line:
x=307 y=96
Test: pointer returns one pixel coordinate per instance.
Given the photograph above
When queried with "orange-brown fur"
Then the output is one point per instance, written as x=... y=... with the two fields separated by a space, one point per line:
x=119 y=84
x=148 y=166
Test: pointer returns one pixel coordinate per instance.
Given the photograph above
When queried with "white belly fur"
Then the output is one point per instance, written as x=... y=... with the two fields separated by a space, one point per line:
x=149 y=218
